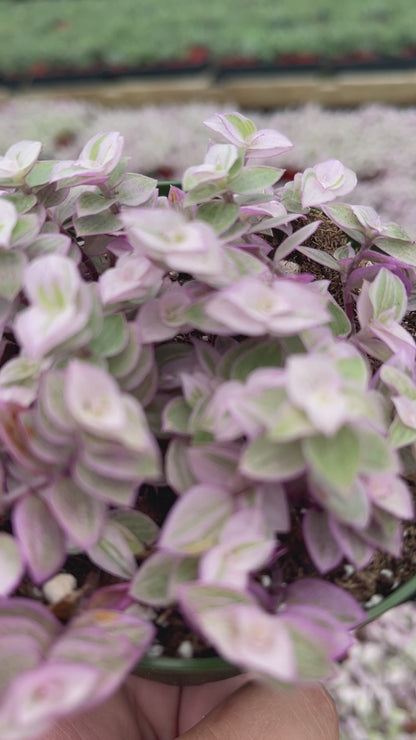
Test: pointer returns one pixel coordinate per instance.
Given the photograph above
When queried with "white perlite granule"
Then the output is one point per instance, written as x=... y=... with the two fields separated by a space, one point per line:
x=58 y=587
x=185 y=649
x=155 y=651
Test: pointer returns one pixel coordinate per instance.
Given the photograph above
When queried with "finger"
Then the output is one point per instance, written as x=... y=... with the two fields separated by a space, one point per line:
x=198 y=701
x=155 y=703
x=259 y=711
x=112 y=719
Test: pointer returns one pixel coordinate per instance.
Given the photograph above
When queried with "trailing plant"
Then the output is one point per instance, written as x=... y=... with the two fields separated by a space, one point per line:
x=190 y=346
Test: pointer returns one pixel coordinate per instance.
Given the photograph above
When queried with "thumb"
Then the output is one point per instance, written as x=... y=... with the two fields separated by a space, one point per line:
x=260 y=711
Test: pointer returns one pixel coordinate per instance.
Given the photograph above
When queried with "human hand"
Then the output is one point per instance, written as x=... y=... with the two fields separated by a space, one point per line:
x=235 y=709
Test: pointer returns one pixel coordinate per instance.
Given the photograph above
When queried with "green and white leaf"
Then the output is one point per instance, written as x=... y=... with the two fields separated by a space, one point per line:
x=266 y=460
x=335 y=459
x=252 y=179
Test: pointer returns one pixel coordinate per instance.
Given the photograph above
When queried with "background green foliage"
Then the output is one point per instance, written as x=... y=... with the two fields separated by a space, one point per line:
x=73 y=34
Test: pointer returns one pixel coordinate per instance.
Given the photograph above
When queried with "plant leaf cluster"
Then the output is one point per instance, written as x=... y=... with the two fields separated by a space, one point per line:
x=176 y=341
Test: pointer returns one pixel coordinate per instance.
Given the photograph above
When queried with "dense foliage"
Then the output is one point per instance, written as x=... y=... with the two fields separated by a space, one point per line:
x=172 y=138
x=176 y=341
x=77 y=35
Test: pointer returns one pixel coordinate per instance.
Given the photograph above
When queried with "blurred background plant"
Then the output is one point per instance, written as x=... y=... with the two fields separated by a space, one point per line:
x=64 y=35
x=375 y=689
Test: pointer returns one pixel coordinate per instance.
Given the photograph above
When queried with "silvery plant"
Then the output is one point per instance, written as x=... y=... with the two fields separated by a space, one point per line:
x=177 y=342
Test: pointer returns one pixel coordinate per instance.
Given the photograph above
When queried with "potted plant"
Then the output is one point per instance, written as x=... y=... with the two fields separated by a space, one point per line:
x=207 y=414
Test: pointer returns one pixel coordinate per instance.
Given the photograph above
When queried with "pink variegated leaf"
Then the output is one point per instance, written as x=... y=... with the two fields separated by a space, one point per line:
x=273 y=501
x=41 y=695
x=195 y=521
x=112 y=623
x=135 y=189
x=17 y=162
x=245 y=545
x=242 y=132
x=398 y=380
x=175 y=416
x=294 y=241
x=263 y=460
x=179 y=474
x=218 y=162
x=51 y=282
x=316 y=642
x=326 y=181
x=111 y=490
x=217 y=464
x=232 y=127
x=252 y=307
x=406 y=409
x=50 y=243
x=12 y=267
x=174 y=243
x=384 y=532
x=133 y=278
x=350 y=506
x=81 y=516
x=96 y=161
x=155 y=582
x=18 y=608
x=139 y=524
x=246 y=636
x=61 y=304
x=8 y=220
x=17 y=625
x=151 y=584
x=104 y=149
x=112 y=552
x=335 y=601
x=109 y=641
x=114 y=597
x=387 y=293
x=207 y=356
x=159 y=321
x=93 y=398
x=319 y=256
x=19 y=653
x=267 y=143
x=41 y=539
x=322 y=546
x=334 y=458
x=346 y=217
x=195 y=599
x=351 y=543
x=255 y=179
x=392 y=494
x=111 y=657
x=11 y=564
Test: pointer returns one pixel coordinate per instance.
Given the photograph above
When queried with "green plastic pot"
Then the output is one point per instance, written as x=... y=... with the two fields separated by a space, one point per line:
x=196 y=671
x=185 y=671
